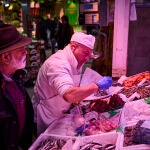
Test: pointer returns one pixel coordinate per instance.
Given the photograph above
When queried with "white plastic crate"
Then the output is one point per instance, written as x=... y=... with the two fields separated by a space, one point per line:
x=119 y=144
x=42 y=137
x=105 y=138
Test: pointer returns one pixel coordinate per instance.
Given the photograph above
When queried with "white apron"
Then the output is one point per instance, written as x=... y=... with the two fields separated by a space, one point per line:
x=49 y=110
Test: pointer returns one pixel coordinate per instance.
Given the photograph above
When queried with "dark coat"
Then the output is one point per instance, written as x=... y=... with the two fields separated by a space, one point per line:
x=64 y=35
x=9 y=124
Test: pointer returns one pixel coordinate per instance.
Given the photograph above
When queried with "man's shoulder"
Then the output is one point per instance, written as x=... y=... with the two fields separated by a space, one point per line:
x=60 y=57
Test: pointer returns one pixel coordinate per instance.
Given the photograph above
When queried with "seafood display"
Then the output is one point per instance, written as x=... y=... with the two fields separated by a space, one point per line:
x=134 y=80
x=102 y=116
x=97 y=146
x=102 y=125
x=105 y=105
x=101 y=93
x=129 y=132
x=143 y=91
x=51 y=143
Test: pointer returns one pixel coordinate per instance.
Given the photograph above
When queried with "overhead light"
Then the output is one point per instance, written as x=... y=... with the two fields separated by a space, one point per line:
x=6 y=3
x=37 y=5
x=32 y=4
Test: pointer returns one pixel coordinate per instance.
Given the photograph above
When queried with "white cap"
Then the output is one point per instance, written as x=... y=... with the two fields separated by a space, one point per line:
x=85 y=39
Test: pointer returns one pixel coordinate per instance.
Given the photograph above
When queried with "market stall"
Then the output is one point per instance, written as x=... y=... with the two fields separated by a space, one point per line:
x=35 y=57
x=106 y=121
x=135 y=123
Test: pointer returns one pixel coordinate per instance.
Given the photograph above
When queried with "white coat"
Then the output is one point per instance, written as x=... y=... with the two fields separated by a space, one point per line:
x=58 y=73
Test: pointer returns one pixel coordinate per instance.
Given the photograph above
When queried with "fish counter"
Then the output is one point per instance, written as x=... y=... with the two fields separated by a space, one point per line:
x=109 y=123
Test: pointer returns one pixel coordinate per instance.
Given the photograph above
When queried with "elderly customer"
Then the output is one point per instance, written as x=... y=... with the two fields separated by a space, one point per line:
x=16 y=111
x=56 y=89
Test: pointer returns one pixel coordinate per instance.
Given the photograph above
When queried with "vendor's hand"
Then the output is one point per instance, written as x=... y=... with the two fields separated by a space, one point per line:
x=104 y=83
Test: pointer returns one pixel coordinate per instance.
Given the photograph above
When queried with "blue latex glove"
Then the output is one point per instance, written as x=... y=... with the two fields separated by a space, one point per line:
x=104 y=83
x=80 y=129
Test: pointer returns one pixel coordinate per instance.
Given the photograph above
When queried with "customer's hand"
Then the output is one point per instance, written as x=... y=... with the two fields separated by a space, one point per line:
x=104 y=83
